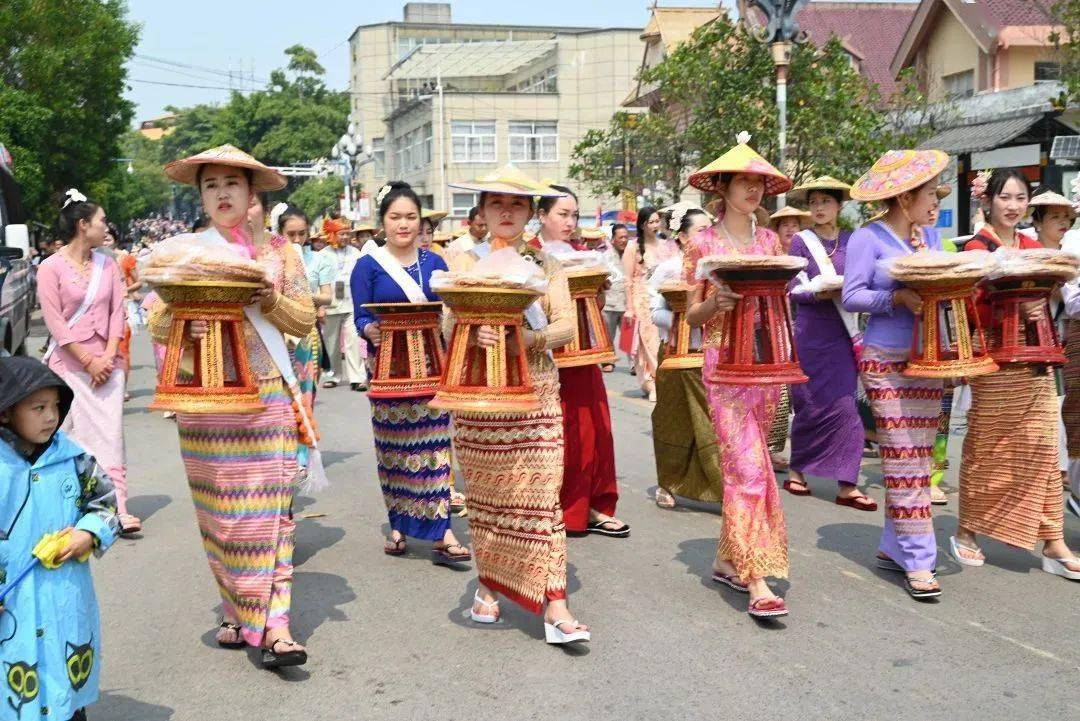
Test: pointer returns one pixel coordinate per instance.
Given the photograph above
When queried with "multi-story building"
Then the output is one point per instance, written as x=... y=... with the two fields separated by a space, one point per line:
x=440 y=101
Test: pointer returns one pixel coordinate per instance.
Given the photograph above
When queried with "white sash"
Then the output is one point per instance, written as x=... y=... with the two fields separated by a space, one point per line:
x=828 y=270
x=406 y=282
x=87 y=301
x=274 y=341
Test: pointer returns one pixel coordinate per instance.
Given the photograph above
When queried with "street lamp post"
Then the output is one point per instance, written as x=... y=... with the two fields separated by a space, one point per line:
x=348 y=149
x=778 y=27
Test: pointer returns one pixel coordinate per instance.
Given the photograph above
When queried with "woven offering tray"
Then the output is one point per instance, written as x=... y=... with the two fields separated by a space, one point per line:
x=829 y=284
x=395 y=308
x=1055 y=265
x=207 y=291
x=939 y=267
x=750 y=267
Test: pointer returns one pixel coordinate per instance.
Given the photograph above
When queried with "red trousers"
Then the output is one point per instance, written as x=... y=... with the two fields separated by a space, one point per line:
x=589 y=458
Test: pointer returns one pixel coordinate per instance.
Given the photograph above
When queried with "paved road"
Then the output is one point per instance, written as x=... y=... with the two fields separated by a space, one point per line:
x=389 y=637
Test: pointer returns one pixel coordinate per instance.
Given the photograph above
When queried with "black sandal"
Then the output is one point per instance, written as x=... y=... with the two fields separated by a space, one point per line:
x=441 y=555
x=922 y=594
x=271 y=659
x=601 y=527
x=235 y=627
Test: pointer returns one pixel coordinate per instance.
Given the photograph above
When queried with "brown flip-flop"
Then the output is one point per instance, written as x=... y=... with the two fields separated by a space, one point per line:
x=805 y=491
x=868 y=503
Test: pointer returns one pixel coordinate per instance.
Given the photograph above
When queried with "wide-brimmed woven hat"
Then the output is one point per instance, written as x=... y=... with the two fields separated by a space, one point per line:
x=899 y=171
x=800 y=193
x=435 y=216
x=741 y=159
x=364 y=227
x=508 y=180
x=788 y=211
x=943 y=191
x=262 y=178
x=592 y=234
x=441 y=237
x=1050 y=199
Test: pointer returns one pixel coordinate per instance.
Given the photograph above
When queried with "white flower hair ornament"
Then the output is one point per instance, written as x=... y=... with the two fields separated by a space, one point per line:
x=383 y=192
x=677 y=215
x=276 y=213
x=743 y=138
x=73 y=196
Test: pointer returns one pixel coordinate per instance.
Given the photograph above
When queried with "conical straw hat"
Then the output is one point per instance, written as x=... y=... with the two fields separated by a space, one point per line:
x=508 y=180
x=1051 y=199
x=789 y=211
x=435 y=216
x=801 y=192
x=741 y=159
x=262 y=178
x=899 y=171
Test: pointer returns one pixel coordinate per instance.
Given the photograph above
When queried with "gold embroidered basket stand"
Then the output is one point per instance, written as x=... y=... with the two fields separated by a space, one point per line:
x=677 y=352
x=410 y=356
x=487 y=380
x=213 y=385
x=943 y=344
x=591 y=344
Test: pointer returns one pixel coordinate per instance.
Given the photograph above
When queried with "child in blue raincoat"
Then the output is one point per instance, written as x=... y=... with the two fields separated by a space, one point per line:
x=50 y=637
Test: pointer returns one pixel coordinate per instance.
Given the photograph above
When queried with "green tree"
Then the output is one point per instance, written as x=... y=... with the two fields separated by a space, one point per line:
x=1067 y=14
x=317 y=196
x=62 y=82
x=836 y=123
x=145 y=190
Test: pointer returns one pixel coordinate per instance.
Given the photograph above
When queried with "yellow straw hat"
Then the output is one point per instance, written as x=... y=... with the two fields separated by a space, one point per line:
x=441 y=237
x=508 y=180
x=592 y=234
x=741 y=159
x=458 y=232
x=899 y=171
x=800 y=193
x=943 y=191
x=788 y=211
x=364 y=227
x=262 y=178
x=435 y=216
x=1050 y=199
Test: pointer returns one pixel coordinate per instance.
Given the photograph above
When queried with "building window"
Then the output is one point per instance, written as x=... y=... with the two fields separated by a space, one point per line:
x=413 y=149
x=462 y=203
x=1047 y=71
x=473 y=141
x=959 y=85
x=546 y=81
x=378 y=151
x=534 y=142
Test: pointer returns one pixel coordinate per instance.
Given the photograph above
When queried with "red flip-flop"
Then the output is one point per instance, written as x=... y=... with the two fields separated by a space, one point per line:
x=869 y=503
x=768 y=608
x=797 y=491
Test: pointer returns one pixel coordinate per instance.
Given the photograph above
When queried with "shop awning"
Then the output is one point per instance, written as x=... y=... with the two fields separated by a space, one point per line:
x=983 y=136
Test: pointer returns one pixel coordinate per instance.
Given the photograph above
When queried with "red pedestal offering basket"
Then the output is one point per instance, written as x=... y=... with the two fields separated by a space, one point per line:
x=487 y=380
x=591 y=344
x=1013 y=338
x=410 y=358
x=219 y=379
x=947 y=339
x=677 y=352
x=756 y=342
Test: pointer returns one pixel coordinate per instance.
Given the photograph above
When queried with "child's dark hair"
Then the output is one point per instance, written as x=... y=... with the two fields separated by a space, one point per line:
x=398 y=189
x=643 y=216
x=71 y=212
x=291 y=212
x=688 y=219
x=546 y=204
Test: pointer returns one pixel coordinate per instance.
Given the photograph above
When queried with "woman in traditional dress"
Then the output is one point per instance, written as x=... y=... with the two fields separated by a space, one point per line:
x=640 y=258
x=687 y=460
x=1053 y=216
x=243 y=469
x=906 y=409
x=82 y=295
x=1010 y=482
x=513 y=461
x=753 y=538
x=589 y=489
x=827 y=434
x=412 y=440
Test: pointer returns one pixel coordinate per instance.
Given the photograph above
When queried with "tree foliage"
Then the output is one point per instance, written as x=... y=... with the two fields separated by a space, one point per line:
x=318 y=196
x=721 y=82
x=1067 y=14
x=62 y=82
x=140 y=193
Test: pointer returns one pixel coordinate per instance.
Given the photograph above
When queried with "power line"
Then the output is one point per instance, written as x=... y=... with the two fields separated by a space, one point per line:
x=202 y=68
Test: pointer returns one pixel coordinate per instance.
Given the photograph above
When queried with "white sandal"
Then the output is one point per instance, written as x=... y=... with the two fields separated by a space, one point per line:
x=555 y=635
x=955 y=546
x=1057 y=567
x=487 y=605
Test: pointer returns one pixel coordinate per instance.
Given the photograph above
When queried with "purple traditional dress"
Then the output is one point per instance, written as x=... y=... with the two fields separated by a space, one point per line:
x=827 y=433
x=905 y=408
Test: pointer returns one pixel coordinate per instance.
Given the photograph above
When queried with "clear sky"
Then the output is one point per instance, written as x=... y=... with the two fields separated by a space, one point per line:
x=210 y=38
